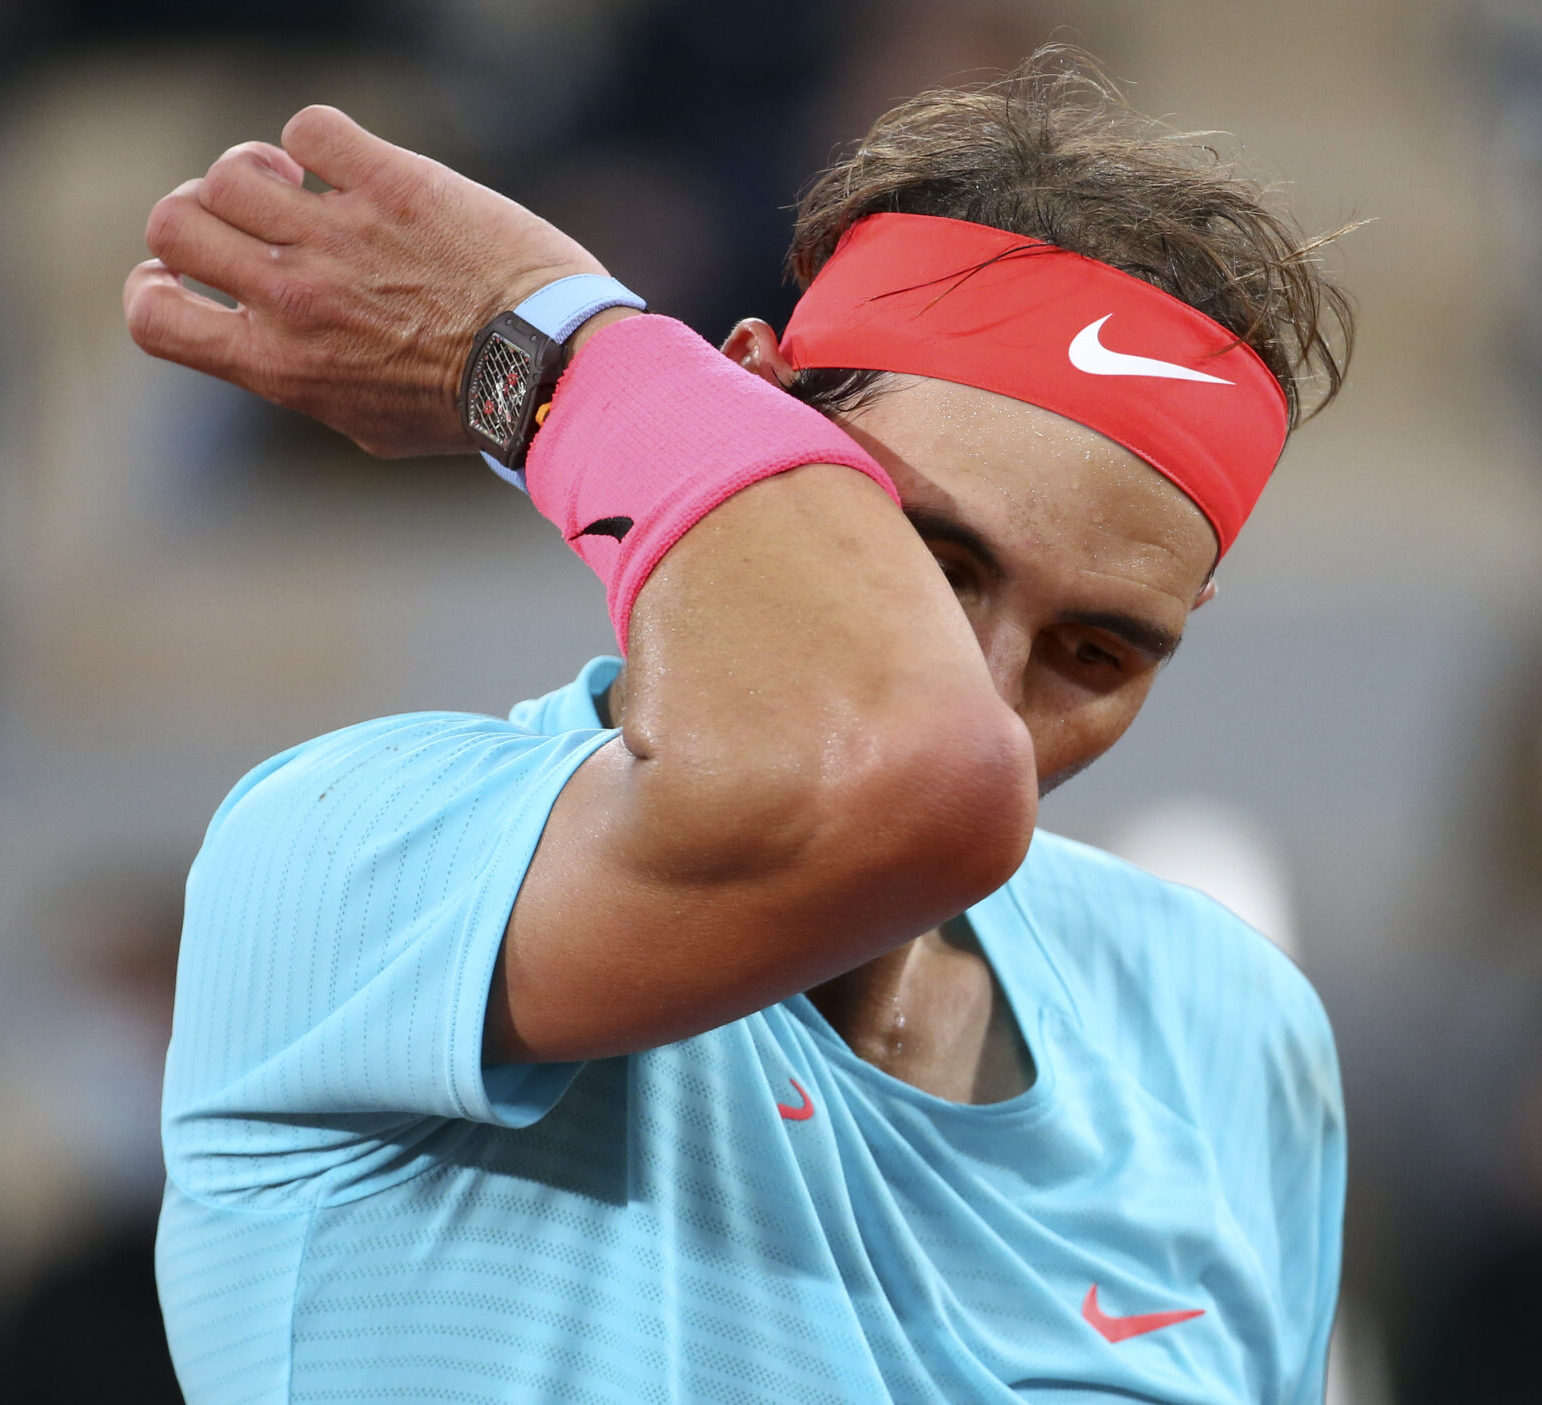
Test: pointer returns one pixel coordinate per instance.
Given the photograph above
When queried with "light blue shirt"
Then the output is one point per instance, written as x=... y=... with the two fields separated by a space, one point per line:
x=358 y=1210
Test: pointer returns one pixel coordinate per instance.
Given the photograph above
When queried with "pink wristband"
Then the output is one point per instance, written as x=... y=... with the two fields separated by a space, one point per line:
x=649 y=430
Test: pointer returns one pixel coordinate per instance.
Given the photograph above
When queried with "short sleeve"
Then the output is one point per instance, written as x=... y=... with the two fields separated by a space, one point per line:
x=343 y=919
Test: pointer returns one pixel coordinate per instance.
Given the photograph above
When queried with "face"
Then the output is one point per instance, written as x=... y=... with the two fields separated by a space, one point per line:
x=1076 y=563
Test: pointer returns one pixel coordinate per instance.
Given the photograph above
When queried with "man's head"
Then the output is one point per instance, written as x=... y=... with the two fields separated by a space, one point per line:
x=1053 y=153
x=1076 y=562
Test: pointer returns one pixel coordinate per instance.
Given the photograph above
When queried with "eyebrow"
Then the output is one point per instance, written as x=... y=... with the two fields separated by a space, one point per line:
x=1150 y=639
x=934 y=526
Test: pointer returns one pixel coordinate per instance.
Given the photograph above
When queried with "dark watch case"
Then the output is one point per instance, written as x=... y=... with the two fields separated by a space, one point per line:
x=510 y=375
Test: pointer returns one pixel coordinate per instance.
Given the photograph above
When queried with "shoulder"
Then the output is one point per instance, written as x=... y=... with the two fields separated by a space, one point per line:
x=1170 y=975
x=1102 y=914
x=334 y=839
x=342 y=922
x=407 y=761
x=435 y=747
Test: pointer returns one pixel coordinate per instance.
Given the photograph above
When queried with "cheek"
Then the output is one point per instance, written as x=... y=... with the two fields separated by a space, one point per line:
x=1073 y=726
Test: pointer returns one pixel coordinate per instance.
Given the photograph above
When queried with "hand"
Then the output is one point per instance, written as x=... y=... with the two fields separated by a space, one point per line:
x=357 y=306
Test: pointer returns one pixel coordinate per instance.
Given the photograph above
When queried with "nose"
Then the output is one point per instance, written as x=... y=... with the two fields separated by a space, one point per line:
x=1007 y=644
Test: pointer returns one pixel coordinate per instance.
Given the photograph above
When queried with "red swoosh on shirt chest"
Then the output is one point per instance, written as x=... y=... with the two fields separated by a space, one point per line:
x=1118 y=1329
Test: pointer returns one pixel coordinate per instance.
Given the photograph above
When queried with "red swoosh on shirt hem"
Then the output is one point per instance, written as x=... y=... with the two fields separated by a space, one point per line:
x=797 y=1114
x=1118 y=1329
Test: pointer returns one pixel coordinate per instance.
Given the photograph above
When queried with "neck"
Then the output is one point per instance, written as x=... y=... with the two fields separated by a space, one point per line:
x=932 y=1014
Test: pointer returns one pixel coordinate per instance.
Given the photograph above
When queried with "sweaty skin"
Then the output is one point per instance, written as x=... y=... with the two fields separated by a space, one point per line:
x=1067 y=527
x=1079 y=530
x=830 y=746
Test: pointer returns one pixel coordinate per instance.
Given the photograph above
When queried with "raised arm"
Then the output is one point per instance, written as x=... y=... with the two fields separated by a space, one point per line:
x=814 y=765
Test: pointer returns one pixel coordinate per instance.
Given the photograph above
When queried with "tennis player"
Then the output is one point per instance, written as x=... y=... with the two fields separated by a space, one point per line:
x=708 y=1030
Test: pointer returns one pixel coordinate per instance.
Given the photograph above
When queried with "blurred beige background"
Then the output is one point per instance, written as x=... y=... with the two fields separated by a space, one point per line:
x=1349 y=750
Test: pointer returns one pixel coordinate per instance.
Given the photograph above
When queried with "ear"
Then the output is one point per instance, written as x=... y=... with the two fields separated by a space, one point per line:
x=754 y=346
x=1206 y=593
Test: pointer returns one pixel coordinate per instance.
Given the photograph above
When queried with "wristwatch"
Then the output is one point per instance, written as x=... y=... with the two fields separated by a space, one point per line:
x=516 y=361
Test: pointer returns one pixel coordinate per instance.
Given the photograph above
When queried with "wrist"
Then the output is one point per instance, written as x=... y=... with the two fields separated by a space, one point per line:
x=517 y=358
x=594 y=324
x=651 y=429
x=465 y=337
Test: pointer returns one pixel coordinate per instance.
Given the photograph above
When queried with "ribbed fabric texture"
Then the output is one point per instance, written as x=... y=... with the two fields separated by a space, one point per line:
x=358 y=1211
x=653 y=427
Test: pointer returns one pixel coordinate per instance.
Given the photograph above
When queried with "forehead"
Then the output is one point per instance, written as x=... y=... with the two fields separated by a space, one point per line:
x=1033 y=480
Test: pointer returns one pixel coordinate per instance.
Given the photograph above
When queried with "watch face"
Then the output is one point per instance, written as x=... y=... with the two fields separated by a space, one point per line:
x=500 y=383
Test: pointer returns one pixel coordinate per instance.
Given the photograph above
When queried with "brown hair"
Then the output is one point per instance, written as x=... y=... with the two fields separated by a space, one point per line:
x=1052 y=152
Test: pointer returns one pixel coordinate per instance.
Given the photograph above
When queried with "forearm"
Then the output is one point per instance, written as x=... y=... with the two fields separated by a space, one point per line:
x=815 y=764
x=816 y=767
x=801 y=640
x=801 y=612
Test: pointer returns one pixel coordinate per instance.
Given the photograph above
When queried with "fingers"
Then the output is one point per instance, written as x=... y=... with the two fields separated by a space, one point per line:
x=336 y=148
x=180 y=325
x=193 y=241
x=273 y=159
x=258 y=188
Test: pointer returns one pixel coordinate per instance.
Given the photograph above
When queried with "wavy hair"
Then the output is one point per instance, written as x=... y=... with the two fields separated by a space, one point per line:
x=1052 y=151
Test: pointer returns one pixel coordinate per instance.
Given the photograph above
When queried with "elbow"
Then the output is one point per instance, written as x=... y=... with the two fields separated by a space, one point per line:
x=951 y=801
x=917 y=813
x=904 y=822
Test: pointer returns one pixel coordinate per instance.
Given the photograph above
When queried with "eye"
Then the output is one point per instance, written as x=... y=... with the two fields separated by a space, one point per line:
x=1094 y=656
x=1089 y=656
x=959 y=570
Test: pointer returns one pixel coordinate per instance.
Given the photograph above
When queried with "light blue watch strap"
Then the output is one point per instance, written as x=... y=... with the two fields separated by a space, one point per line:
x=560 y=309
x=516 y=476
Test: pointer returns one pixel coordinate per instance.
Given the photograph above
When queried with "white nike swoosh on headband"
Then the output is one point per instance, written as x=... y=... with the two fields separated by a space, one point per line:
x=1090 y=355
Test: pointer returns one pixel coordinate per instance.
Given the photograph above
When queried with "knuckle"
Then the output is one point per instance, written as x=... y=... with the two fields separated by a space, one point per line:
x=229 y=180
x=264 y=380
x=217 y=189
x=243 y=153
x=168 y=219
x=292 y=385
x=146 y=316
x=402 y=189
x=298 y=299
x=310 y=123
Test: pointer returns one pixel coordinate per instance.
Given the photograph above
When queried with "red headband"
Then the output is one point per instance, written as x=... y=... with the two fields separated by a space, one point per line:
x=968 y=303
